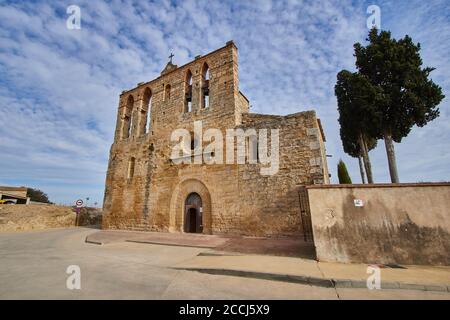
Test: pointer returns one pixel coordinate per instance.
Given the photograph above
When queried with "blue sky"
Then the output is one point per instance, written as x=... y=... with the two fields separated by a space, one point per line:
x=59 y=88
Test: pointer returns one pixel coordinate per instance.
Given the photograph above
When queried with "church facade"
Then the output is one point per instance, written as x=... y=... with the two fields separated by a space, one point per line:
x=151 y=185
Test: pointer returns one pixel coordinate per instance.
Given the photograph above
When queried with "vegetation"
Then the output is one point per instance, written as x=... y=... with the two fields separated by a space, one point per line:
x=407 y=96
x=344 y=177
x=389 y=94
x=358 y=117
x=37 y=195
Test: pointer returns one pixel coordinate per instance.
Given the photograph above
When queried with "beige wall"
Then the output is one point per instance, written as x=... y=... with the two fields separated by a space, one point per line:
x=35 y=217
x=403 y=223
x=20 y=192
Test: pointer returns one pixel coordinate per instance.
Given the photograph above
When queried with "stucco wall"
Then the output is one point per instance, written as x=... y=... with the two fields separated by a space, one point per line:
x=20 y=192
x=402 y=223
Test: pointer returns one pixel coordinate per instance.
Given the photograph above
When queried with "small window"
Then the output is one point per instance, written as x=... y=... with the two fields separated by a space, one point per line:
x=188 y=92
x=193 y=142
x=205 y=86
x=147 y=110
x=206 y=104
x=128 y=118
x=131 y=166
x=252 y=155
x=167 y=93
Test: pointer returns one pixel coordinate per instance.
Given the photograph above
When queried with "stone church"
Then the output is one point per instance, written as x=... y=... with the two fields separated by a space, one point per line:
x=147 y=190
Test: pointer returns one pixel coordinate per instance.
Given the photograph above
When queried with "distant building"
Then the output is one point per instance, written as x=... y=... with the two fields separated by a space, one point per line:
x=13 y=195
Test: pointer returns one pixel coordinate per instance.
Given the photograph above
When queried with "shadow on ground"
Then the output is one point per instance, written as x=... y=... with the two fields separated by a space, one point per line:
x=276 y=247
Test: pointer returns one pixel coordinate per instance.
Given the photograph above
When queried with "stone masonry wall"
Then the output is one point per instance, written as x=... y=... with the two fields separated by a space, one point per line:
x=145 y=199
x=270 y=204
x=236 y=198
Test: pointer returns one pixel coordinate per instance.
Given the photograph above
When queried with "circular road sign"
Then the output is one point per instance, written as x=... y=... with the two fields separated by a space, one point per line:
x=79 y=203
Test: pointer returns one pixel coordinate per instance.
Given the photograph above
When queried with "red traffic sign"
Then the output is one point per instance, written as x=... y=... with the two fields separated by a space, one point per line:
x=79 y=203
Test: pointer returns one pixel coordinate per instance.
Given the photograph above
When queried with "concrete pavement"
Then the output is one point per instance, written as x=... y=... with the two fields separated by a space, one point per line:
x=253 y=258
x=320 y=273
x=290 y=247
x=33 y=266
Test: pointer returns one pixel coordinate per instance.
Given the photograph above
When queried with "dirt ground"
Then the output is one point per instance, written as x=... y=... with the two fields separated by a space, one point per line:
x=38 y=217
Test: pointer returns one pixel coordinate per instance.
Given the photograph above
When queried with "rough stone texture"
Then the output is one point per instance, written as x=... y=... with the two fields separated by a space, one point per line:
x=43 y=216
x=397 y=224
x=236 y=198
x=35 y=217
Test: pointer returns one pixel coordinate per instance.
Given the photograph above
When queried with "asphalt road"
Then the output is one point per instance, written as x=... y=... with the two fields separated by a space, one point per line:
x=33 y=266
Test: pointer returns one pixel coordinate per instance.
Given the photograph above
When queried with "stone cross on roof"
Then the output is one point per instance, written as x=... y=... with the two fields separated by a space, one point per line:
x=170 y=66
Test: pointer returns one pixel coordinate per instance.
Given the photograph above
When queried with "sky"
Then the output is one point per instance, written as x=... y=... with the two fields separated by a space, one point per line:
x=59 y=87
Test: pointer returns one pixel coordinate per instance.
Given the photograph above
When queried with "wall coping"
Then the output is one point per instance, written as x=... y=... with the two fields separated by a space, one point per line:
x=8 y=188
x=379 y=185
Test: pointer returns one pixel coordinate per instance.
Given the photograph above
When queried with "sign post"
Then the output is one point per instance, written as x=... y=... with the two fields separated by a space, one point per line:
x=78 y=205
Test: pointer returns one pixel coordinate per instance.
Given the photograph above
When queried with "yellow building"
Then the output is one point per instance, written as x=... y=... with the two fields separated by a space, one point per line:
x=13 y=195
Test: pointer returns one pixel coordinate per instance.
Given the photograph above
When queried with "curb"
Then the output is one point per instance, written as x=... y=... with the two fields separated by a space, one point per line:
x=93 y=242
x=168 y=244
x=87 y=240
x=318 y=282
x=265 y=276
x=346 y=283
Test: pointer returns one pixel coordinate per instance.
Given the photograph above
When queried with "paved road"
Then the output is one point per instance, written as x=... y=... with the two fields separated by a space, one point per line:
x=33 y=266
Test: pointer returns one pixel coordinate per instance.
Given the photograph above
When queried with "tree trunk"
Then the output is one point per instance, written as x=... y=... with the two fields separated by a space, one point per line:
x=391 y=158
x=361 y=169
x=369 y=164
x=365 y=155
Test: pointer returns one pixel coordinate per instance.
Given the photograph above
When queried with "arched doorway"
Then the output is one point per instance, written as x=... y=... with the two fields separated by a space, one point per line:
x=178 y=205
x=193 y=214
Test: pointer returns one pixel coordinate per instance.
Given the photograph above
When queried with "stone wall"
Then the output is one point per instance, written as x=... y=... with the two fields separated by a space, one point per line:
x=22 y=217
x=269 y=205
x=236 y=198
x=40 y=216
x=395 y=223
x=145 y=200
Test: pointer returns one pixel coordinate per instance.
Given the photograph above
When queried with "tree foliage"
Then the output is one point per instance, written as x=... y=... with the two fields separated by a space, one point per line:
x=407 y=97
x=386 y=98
x=37 y=195
x=358 y=115
x=344 y=177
